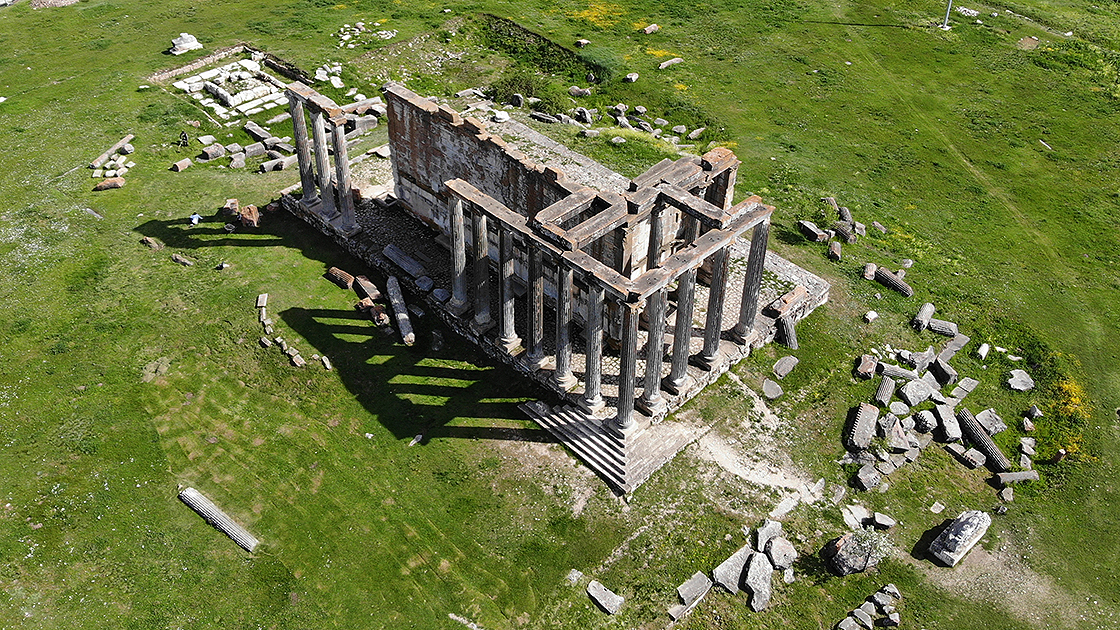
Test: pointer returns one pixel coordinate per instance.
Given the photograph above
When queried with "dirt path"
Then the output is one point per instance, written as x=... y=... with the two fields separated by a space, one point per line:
x=750 y=451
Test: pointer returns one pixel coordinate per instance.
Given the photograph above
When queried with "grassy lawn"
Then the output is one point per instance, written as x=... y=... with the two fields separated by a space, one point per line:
x=994 y=168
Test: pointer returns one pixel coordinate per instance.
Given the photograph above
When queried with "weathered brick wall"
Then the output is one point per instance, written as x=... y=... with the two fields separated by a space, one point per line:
x=433 y=144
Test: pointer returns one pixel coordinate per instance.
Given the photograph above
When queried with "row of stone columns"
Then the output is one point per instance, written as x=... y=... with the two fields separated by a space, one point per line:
x=328 y=183
x=656 y=306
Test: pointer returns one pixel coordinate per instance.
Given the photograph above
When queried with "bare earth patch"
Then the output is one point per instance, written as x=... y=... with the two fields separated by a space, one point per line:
x=749 y=450
x=1002 y=578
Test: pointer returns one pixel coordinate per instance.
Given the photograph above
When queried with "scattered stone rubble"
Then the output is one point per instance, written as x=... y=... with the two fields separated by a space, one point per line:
x=360 y=34
x=849 y=554
x=847 y=230
x=620 y=115
x=113 y=164
x=751 y=568
x=690 y=594
x=880 y=608
x=906 y=429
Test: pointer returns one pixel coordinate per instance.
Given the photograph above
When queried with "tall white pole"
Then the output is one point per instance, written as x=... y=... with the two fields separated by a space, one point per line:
x=945 y=25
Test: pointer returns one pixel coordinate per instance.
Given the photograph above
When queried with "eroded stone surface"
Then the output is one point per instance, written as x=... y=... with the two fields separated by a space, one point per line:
x=770 y=529
x=694 y=588
x=1020 y=381
x=781 y=553
x=604 y=597
x=757 y=581
x=960 y=537
x=770 y=389
x=729 y=573
x=784 y=366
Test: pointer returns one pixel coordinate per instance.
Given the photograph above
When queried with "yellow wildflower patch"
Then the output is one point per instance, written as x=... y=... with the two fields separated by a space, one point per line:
x=600 y=13
x=680 y=86
x=659 y=53
x=1072 y=400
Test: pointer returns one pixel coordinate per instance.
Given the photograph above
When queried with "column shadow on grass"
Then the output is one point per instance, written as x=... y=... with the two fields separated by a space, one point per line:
x=284 y=230
x=408 y=394
x=388 y=388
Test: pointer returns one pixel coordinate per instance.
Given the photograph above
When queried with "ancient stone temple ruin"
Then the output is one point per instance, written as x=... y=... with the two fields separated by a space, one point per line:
x=623 y=297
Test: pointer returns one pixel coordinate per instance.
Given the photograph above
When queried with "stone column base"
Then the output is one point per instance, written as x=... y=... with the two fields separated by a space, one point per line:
x=457 y=308
x=651 y=407
x=592 y=406
x=676 y=388
x=566 y=383
x=706 y=363
x=534 y=363
x=481 y=329
x=512 y=345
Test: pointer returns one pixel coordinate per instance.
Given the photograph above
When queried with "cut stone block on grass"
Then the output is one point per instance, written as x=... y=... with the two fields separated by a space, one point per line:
x=952 y=544
x=605 y=598
x=729 y=573
x=758 y=581
x=694 y=589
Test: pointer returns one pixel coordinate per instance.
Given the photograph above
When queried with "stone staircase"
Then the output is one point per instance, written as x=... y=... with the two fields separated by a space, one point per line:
x=624 y=461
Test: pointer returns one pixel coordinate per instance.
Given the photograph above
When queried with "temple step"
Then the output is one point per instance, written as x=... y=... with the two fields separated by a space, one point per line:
x=586 y=437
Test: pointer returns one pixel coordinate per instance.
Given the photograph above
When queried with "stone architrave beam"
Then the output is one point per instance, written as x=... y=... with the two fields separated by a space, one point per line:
x=746 y=215
x=710 y=216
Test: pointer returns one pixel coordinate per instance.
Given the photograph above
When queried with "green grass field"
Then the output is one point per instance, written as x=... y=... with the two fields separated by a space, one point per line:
x=938 y=135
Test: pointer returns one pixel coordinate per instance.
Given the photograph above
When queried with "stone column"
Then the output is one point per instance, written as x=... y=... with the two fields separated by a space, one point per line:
x=709 y=356
x=458 y=302
x=593 y=327
x=508 y=336
x=563 y=376
x=651 y=401
x=627 y=373
x=678 y=379
x=722 y=189
x=303 y=151
x=656 y=235
x=342 y=178
x=534 y=355
x=691 y=228
x=752 y=282
x=323 y=164
x=482 y=321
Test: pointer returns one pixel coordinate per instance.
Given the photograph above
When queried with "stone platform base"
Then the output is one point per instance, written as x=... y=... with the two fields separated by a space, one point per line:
x=624 y=461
